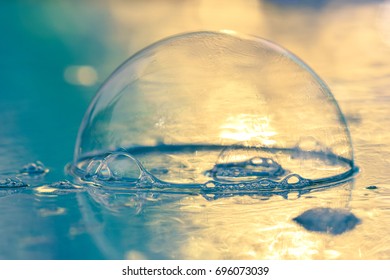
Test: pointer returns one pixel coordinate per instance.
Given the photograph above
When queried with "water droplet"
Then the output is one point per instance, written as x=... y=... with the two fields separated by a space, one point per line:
x=210 y=185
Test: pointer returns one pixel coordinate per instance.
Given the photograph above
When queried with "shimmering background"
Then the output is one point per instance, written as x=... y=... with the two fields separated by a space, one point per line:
x=53 y=57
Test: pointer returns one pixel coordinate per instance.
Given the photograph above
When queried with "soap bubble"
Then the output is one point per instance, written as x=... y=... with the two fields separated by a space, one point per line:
x=216 y=111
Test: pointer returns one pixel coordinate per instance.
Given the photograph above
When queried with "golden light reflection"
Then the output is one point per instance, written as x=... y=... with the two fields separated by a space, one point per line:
x=246 y=127
x=160 y=18
x=340 y=40
x=384 y=22
x=246 y=228
x=45 y=189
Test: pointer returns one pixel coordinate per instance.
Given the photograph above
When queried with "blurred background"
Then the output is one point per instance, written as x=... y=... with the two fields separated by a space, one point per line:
x=54 y=55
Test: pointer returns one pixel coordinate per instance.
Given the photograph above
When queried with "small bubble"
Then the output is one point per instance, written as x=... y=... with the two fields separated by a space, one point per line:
x=295 y=181
x=93 y=168
x=253 y=168
x=210 y=184
x=257 y=161
x=264 y=183
x=122 y=166
x=104 y=172
x=34 y=168
x=63 y=185
x=292 y=180
x=268 y=184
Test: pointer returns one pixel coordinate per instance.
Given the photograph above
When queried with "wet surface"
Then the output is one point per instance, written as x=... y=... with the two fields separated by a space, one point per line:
x=47 y=86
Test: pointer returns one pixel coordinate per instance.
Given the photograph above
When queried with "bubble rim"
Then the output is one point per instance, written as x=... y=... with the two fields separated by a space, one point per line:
x=153 y=183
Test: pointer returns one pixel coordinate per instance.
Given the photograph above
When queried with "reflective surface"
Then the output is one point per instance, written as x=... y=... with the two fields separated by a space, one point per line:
x=52 y=63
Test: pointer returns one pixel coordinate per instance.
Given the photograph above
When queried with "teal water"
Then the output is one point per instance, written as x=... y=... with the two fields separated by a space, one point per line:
x=55 y=55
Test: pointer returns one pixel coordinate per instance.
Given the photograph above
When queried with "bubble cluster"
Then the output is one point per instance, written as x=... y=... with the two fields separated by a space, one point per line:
x=63 y=185
x=256 y=167
x=12 y=183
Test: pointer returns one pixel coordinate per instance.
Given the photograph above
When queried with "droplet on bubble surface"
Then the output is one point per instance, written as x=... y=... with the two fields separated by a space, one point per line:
x=216 y=111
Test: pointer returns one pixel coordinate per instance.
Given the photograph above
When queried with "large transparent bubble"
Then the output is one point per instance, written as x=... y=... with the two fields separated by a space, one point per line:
x=217 y=112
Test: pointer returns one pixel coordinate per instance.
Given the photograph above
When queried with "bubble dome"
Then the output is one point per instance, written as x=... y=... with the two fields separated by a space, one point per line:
x=215 y=111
